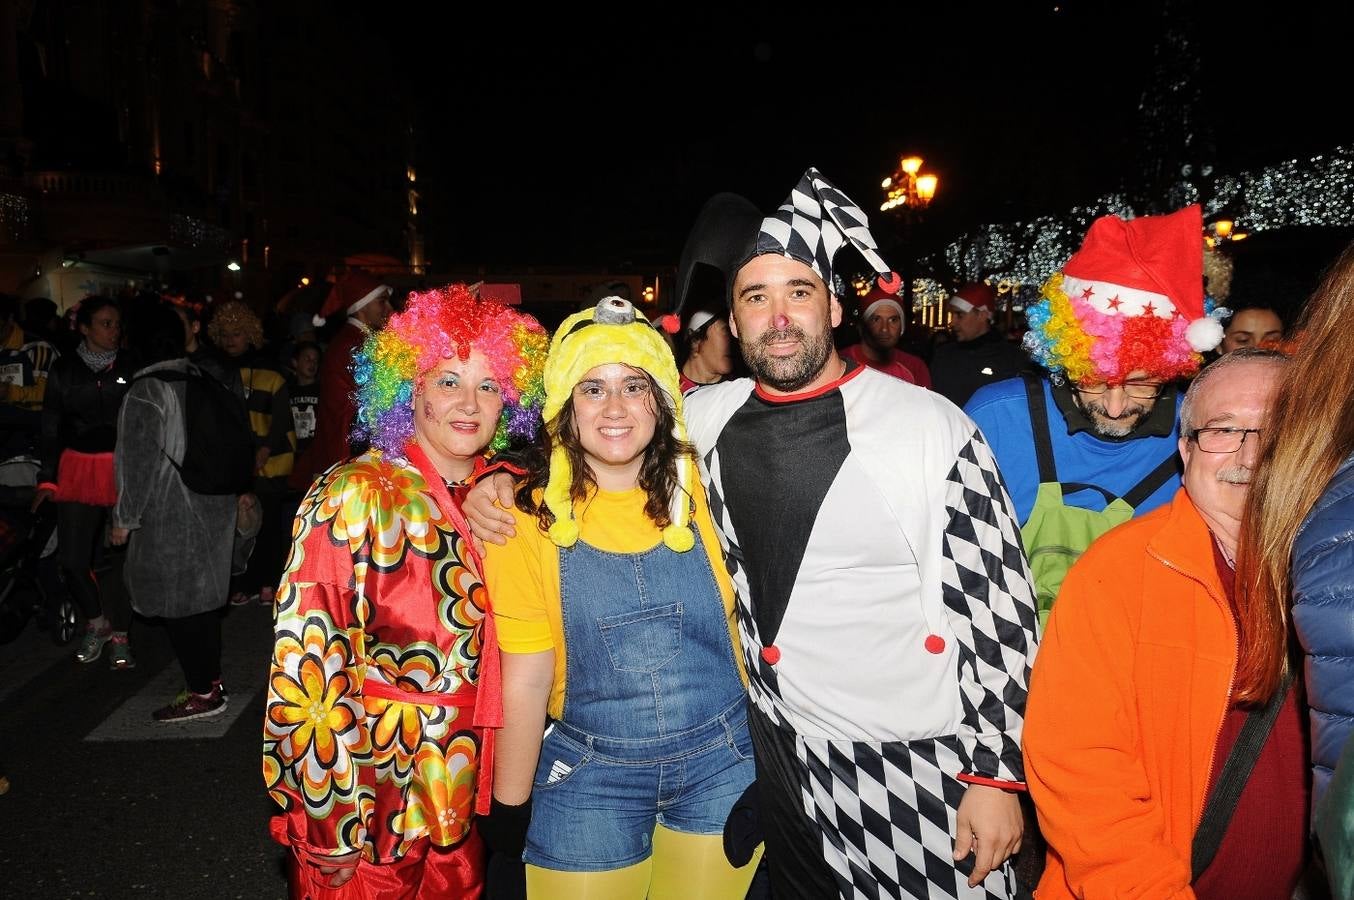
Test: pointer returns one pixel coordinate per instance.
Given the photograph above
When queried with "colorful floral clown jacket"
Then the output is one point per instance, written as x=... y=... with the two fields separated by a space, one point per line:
x=379 y=598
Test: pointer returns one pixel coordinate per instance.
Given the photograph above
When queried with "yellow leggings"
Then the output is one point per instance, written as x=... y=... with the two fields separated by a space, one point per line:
x=682 y=866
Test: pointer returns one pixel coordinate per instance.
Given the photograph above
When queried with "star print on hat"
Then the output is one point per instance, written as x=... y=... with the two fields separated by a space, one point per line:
x=816 y=221
x=1130 y=300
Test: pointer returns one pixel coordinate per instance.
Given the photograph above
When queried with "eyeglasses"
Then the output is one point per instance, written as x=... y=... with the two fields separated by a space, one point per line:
x=1138 y=390
x=1221 y=440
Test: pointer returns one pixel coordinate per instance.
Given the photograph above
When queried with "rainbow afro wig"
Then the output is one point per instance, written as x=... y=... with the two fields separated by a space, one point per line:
x=437 y=325
x=1130 y=300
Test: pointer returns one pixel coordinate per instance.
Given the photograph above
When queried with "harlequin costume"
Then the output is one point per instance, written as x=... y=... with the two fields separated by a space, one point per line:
x=384 y=685
x=886 y=613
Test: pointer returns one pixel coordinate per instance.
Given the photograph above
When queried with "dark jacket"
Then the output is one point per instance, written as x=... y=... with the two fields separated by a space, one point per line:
x=959 y=368
x=80 y=409
x=1323 y=615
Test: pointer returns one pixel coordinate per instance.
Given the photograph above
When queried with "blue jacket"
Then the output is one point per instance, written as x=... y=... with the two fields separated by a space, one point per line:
x=1323 y=615
x=1002 y=411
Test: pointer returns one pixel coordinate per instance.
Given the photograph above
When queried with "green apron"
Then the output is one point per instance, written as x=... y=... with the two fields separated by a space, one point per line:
x=1056 y=534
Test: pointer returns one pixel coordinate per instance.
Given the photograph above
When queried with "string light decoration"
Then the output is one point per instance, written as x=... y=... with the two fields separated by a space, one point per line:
x=15 y=216
x=1296 y=193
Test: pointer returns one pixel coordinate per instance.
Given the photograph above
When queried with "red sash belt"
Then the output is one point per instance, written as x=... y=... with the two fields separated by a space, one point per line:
x=465 y=697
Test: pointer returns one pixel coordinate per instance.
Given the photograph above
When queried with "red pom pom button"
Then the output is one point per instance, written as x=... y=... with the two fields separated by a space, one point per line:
x=771 y=654
x=935 y=643
x=891 y=284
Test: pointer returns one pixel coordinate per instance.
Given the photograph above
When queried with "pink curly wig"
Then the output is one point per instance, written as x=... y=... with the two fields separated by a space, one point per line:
x=437 y=325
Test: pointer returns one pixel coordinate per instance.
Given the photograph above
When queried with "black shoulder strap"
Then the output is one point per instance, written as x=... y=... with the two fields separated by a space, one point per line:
x=1043 y=443
x=1232 y=779
x=1153 y=480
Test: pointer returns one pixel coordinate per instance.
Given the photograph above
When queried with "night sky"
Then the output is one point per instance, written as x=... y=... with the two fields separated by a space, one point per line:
x=594 y=142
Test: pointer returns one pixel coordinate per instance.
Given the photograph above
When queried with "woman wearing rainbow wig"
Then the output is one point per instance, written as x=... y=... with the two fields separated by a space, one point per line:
x=384 y=687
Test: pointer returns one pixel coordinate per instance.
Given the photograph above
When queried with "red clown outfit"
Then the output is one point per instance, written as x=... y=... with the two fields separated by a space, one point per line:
x=384 y=684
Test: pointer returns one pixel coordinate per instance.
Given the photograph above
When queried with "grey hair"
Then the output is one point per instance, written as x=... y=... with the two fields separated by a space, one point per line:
x=1226 y=361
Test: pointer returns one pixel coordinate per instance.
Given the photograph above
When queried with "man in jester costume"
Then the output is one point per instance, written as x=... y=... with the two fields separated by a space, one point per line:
x=885 y=608
x=384 y=690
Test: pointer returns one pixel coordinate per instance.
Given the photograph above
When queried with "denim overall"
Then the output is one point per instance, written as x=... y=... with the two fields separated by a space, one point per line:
x=654 y=726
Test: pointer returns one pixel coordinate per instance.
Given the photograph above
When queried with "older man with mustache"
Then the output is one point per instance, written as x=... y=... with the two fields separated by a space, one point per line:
x=1131 y=716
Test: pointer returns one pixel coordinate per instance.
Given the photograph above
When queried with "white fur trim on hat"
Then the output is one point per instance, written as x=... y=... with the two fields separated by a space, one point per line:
x=698 y=320
x=883 y=301
x=382 y=291
x=1117 y=300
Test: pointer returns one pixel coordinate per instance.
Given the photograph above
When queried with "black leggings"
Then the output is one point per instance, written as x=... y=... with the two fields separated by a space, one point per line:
x=79 y=537
x=197 y=643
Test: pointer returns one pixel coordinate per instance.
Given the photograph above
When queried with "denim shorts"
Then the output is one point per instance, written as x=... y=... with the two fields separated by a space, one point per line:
x=596 y=801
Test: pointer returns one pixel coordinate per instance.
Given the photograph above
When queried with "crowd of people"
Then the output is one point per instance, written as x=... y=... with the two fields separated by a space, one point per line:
x=730 y=607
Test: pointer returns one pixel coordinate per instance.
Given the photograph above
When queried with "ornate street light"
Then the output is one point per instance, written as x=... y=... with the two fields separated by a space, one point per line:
x=907 y=193
x=907 y=188
x=1221 y=230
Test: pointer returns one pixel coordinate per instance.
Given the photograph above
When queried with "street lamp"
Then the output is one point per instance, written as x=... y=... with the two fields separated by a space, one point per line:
x=908 y=193
x=907 y=189
x=1222 y=230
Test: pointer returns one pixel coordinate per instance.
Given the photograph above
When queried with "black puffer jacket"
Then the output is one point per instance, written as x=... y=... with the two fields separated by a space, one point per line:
x=80 y=408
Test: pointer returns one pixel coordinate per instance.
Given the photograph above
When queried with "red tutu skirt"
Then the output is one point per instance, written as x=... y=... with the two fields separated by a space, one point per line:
x=86 y=478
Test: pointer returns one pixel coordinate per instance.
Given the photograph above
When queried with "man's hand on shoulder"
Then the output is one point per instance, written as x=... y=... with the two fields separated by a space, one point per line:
x=486 y=507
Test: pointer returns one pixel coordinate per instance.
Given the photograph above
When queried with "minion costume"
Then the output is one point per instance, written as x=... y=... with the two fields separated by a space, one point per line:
x=647 y=748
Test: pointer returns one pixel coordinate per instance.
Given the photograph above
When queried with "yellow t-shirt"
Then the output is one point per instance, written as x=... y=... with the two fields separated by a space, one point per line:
x=523 y=575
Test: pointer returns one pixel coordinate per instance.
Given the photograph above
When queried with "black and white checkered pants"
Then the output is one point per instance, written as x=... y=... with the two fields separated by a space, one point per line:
x=863 y=820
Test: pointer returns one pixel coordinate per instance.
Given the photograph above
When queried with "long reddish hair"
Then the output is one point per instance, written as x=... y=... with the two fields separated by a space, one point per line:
x=1311 y=430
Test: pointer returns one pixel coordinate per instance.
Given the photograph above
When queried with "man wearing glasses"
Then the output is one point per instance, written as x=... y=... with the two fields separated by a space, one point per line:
x=1092 y=442
x=1131 y=717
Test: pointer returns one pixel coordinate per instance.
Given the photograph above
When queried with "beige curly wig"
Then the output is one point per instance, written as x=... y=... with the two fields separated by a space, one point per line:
x=235 y=314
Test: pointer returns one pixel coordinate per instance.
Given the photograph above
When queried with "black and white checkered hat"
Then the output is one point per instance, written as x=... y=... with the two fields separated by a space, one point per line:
x=811 y=226
x=814 y=222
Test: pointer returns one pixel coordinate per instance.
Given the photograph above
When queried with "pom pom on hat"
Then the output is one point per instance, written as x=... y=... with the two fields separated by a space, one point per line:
x=1204 y=334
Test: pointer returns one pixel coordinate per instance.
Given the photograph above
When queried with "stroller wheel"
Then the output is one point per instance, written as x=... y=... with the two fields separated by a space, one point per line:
x=66 y=621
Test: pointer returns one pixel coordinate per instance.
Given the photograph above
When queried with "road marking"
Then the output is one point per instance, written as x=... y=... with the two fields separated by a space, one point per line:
x=244 y=670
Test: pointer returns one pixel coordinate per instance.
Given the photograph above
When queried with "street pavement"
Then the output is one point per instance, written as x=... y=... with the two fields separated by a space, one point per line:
x=106 y=803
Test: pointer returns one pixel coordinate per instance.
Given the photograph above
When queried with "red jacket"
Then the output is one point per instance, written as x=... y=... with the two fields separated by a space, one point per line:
x=337 y=408
x=1127 y=699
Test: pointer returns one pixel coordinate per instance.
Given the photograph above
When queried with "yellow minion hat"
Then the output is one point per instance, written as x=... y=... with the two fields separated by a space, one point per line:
x=612 y=332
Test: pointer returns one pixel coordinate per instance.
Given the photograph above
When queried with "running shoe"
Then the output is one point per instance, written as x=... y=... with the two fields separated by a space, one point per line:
x=189 y=706
x=92 y=644
x=120 y=652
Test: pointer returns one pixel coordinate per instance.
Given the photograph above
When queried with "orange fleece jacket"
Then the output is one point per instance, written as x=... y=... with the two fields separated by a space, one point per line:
x=1127 y=698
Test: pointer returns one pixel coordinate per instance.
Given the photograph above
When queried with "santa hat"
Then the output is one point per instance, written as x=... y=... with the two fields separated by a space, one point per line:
x=1131 y=299
x=877 y=299
x=978 y=295
x=353 y=290
x=612 y=332
x=814 y=222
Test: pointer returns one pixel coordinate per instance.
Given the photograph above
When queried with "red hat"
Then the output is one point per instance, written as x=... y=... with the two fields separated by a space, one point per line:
x=1148 y=266
x=978 y=295
x=353 y=290
x=879 y=297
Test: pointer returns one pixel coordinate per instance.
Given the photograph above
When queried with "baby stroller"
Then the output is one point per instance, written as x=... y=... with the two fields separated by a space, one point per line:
x=29 y=586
